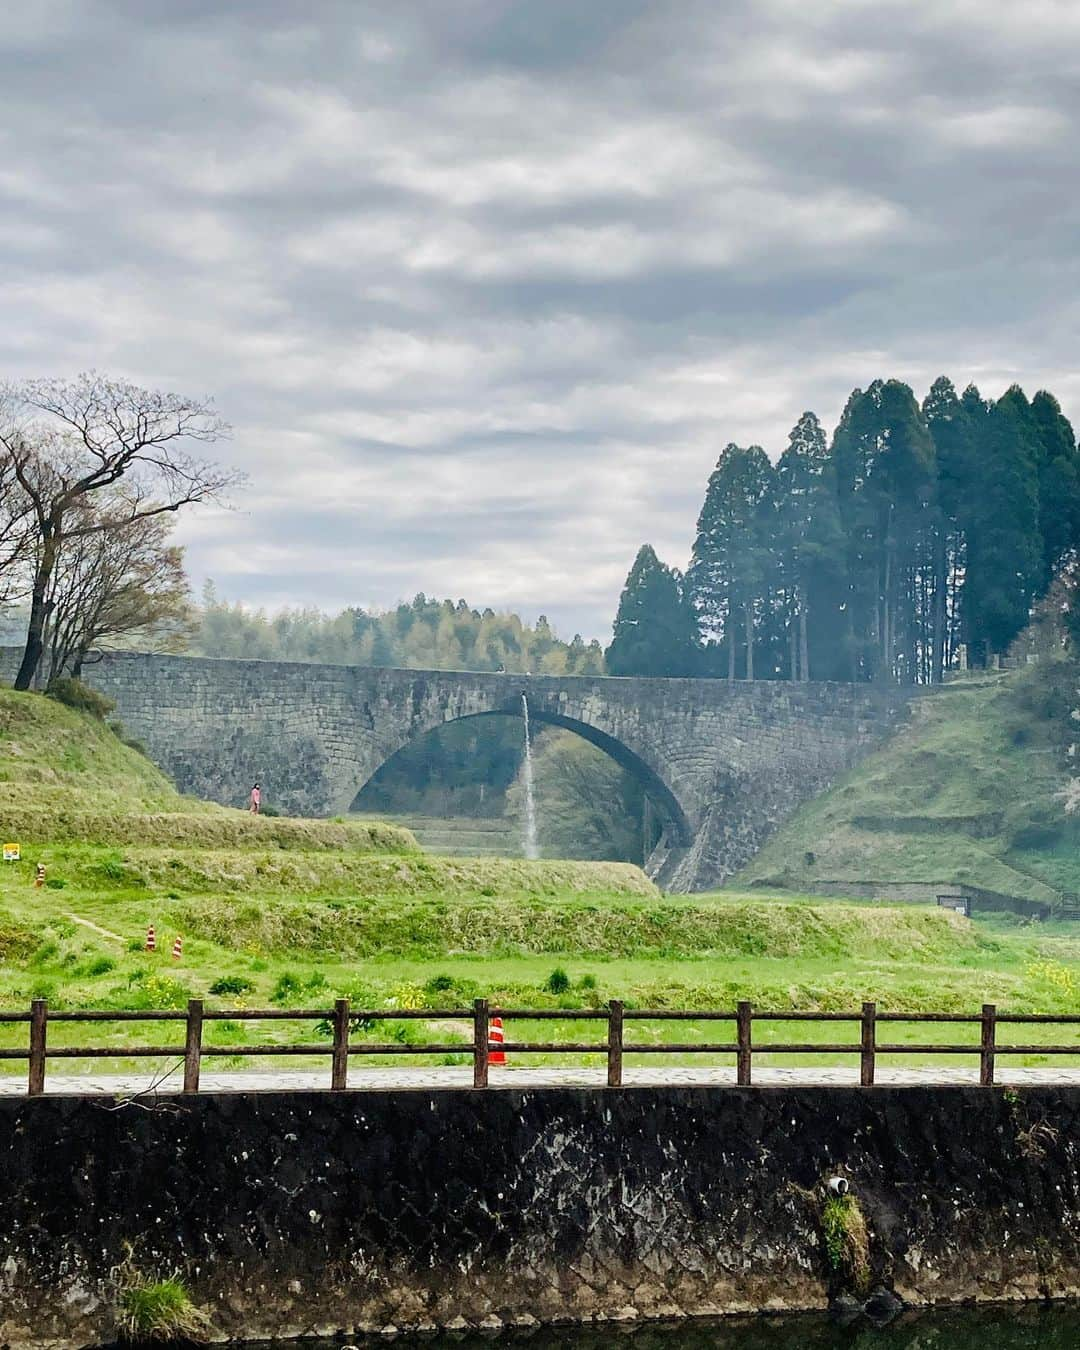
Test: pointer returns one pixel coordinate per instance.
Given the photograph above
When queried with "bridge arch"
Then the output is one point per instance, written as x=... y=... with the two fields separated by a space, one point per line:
x=678 y=830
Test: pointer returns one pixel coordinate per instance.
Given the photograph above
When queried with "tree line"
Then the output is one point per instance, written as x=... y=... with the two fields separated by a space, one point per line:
x=919 y=536
x=92 y=474
x=421 y=634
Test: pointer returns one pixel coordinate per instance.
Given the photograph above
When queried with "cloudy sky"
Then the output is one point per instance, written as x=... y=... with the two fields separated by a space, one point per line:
x=484 y=286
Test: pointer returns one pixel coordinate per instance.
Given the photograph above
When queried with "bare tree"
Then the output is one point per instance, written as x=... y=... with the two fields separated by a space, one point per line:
x=17 y=536
x=126 y=582
x=69 y=439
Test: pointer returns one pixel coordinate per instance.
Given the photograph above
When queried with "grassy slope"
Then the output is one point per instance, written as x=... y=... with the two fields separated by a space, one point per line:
x=67 y=776
x=297 y=918
x=966 y=793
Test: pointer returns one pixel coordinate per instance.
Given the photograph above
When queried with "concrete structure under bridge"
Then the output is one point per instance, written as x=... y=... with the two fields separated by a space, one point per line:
x=724 y=764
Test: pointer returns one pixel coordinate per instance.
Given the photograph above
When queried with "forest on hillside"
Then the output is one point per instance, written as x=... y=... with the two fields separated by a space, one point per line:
x=916 y=540
x=421 y=634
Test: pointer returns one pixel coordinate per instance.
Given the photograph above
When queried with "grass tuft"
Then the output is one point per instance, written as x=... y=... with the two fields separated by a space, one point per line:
x=847 y=1242
x=160 y=1310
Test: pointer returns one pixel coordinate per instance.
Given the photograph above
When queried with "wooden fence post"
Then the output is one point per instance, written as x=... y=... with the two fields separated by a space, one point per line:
x=987 y=1044
x=743 y=1023
x=614 y=1043
x=193 y=1045
x=480 y=1043
x=869 y=1044
x=339 y=1061
x=39 y=1017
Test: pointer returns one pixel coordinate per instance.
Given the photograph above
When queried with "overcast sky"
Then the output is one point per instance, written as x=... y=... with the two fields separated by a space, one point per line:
x=484 y=286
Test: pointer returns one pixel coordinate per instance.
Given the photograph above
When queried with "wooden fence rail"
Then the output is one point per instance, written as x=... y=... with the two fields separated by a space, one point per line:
x=341 y=1019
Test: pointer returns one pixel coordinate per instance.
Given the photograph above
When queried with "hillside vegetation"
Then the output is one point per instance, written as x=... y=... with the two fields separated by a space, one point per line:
x=969 y=792
x=293 y=913
x=65 y=775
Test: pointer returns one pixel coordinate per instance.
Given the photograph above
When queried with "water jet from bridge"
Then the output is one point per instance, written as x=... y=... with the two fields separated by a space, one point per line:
x=532 y=847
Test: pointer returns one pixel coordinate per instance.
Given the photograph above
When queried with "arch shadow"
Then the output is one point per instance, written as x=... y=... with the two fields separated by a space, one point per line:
x=680 y=832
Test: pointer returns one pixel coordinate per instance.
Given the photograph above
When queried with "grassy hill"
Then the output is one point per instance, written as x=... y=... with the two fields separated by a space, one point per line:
x=968 y=792
x=65 y=775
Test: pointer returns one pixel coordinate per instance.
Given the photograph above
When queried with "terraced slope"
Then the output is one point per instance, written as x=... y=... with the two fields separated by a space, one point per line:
x=968 y=793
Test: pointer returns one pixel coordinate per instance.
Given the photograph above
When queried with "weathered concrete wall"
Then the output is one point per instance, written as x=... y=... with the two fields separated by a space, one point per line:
x=924 y=893
x=301 y=1213
x=725 y=763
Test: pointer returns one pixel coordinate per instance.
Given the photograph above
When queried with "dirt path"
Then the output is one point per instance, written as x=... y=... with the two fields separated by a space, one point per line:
x=96 y=928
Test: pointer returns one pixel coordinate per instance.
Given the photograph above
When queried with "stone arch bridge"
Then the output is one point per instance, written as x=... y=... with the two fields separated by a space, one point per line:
x=724 y=764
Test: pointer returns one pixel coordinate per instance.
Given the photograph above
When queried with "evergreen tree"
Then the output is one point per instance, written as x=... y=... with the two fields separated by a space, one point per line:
x=824 y=553
x=798 y=480
x=382 y=653
x=1059 y=484
x=1005 y=554
x=734 y=558
x=655 y=632
x=884 y=460
x=953 y=424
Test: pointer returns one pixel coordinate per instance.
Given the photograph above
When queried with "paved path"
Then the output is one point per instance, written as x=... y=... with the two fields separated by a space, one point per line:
x=426 y=1079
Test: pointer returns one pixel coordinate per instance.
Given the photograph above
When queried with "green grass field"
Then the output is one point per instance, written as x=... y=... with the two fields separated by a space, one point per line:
x=278 y=913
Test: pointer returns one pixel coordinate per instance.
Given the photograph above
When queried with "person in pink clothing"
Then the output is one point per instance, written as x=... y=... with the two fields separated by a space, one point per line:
x=256 y=799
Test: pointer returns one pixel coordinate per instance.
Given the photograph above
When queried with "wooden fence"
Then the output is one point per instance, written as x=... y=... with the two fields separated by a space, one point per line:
x=341 y=1019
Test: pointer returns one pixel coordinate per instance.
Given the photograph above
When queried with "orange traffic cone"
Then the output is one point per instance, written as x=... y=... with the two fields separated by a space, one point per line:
x=178 y=949
x=496 y=1054
x=151 y=939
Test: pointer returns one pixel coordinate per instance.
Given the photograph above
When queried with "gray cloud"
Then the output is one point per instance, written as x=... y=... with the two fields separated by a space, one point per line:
x=484 y=286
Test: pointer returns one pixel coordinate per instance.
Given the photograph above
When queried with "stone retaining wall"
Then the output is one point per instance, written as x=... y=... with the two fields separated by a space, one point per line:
x=308 y=1213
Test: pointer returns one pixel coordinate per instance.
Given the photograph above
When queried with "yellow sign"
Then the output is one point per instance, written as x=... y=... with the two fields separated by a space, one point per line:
x=11 y=853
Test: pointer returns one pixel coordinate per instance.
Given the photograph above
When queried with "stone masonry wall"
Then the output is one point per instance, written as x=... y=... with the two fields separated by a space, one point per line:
x=303 y=1213
x=726 y=763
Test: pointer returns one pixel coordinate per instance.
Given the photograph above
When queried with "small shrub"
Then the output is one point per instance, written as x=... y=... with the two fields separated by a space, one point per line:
x=288 y=986
x=847 y=1243
x=232 y=984
x=43 y=954
x=158 y=993
x=558 y=982
x=160 y=1310
x=269 y=811
x=408 y=996
x=100 y=966
x=439 y=984
x=19 y=944
x=115 y=870
x=74 y=694
x=56 y=883
x=587 y=982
